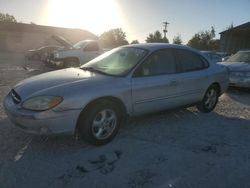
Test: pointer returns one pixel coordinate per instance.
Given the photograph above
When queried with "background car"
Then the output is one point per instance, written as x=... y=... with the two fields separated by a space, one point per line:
x=41 y=53
x=239 y=68
x=75 y=55
x=126 y=81
x=213 y=56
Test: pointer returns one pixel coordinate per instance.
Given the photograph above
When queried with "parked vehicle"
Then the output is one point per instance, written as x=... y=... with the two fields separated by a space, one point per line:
x=43 y=52
x=213 y=56
x=239 y=68
x=75 y=55
x=224 y=55
x=131 y=80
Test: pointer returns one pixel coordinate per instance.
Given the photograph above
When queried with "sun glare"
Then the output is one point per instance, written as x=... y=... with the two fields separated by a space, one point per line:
x=95 y=16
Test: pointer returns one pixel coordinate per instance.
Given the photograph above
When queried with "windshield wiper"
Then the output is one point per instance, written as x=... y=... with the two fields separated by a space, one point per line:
x=88 y=68
x=92 y=69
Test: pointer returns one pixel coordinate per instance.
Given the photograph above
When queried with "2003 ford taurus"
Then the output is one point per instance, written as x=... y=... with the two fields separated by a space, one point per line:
x=129 y=80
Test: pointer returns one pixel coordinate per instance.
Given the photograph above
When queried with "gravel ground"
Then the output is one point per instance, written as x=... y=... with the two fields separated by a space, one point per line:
x=179 y=148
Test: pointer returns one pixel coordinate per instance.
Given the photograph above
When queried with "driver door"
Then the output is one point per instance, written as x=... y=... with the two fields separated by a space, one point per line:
x=155 y=84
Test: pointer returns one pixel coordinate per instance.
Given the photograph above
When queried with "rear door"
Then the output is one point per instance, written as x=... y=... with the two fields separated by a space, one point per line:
x=155 y=85
x=193 y=75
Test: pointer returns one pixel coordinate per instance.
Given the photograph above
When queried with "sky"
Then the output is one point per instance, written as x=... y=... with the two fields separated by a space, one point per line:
x=137 y=18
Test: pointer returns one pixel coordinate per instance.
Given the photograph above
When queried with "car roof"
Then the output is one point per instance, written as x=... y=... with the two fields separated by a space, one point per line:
x=207 y=51
x=158 y=46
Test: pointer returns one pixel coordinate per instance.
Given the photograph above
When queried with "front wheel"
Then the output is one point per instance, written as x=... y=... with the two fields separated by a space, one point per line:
x=100 y=123
x=210 y=100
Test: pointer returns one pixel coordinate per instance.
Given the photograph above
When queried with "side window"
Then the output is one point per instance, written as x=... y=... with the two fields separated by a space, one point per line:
x=158 y=63
x=189 y=61
x=91 y=47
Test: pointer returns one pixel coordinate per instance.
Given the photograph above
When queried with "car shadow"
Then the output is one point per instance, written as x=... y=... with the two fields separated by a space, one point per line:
x=241 y=95
x=179 y=120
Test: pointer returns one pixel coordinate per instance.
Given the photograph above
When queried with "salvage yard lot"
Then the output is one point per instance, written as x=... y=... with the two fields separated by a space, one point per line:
x=179 y=148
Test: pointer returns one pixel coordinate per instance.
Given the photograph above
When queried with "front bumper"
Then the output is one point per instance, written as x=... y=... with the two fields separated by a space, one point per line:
x=239 y=81
x=54 y=63
x=42 y=123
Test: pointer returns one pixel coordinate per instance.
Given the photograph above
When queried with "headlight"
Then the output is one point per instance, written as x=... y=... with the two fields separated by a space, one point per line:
x=42 y=103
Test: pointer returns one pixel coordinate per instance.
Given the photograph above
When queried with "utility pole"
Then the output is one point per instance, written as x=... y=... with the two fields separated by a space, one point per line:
x=165 y=24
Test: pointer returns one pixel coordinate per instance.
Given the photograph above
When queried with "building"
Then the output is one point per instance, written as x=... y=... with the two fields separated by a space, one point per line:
x=235 y=39
x=20 y=37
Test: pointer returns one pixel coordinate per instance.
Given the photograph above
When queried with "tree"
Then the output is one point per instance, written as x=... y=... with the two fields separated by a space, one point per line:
x=177 y=40
x=204 y=40
x=7 y=18
x=113 y=38
x=135 y=42
x=231 y=26
x=156 y=37
x=150 y=38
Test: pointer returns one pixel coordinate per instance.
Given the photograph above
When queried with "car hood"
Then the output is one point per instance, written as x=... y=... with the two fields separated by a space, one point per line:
x=56 y=81
x=62 y=41
x=237 y=66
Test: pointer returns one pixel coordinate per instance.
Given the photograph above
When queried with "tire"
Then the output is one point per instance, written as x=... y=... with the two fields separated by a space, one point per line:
x=209 y=100
x=100 y=123
x=71 y=63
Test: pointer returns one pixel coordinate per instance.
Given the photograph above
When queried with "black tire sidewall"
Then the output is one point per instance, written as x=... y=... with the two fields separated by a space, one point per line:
x=86 y=120
x=202 y=107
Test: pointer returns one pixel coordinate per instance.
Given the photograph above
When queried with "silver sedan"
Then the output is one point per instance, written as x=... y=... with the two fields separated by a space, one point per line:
x=239 y=69
x=128 y=81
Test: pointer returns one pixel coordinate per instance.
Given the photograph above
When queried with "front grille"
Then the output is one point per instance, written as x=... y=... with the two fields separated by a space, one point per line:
x=15 y=97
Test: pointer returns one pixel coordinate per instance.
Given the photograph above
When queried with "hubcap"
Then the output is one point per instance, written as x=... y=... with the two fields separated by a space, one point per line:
x=210 y=99
x=104 y=124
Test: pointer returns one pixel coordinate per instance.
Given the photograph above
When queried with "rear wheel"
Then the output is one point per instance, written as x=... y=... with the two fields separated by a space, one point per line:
x=100 y=123
x=210 y=99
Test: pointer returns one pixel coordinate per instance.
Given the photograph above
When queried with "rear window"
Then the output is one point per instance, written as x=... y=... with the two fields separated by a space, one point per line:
x=190 y=61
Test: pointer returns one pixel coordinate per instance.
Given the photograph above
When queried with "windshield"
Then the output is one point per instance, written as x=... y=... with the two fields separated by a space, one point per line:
x=117 y=62
x=81 y=44
x=240 y=57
